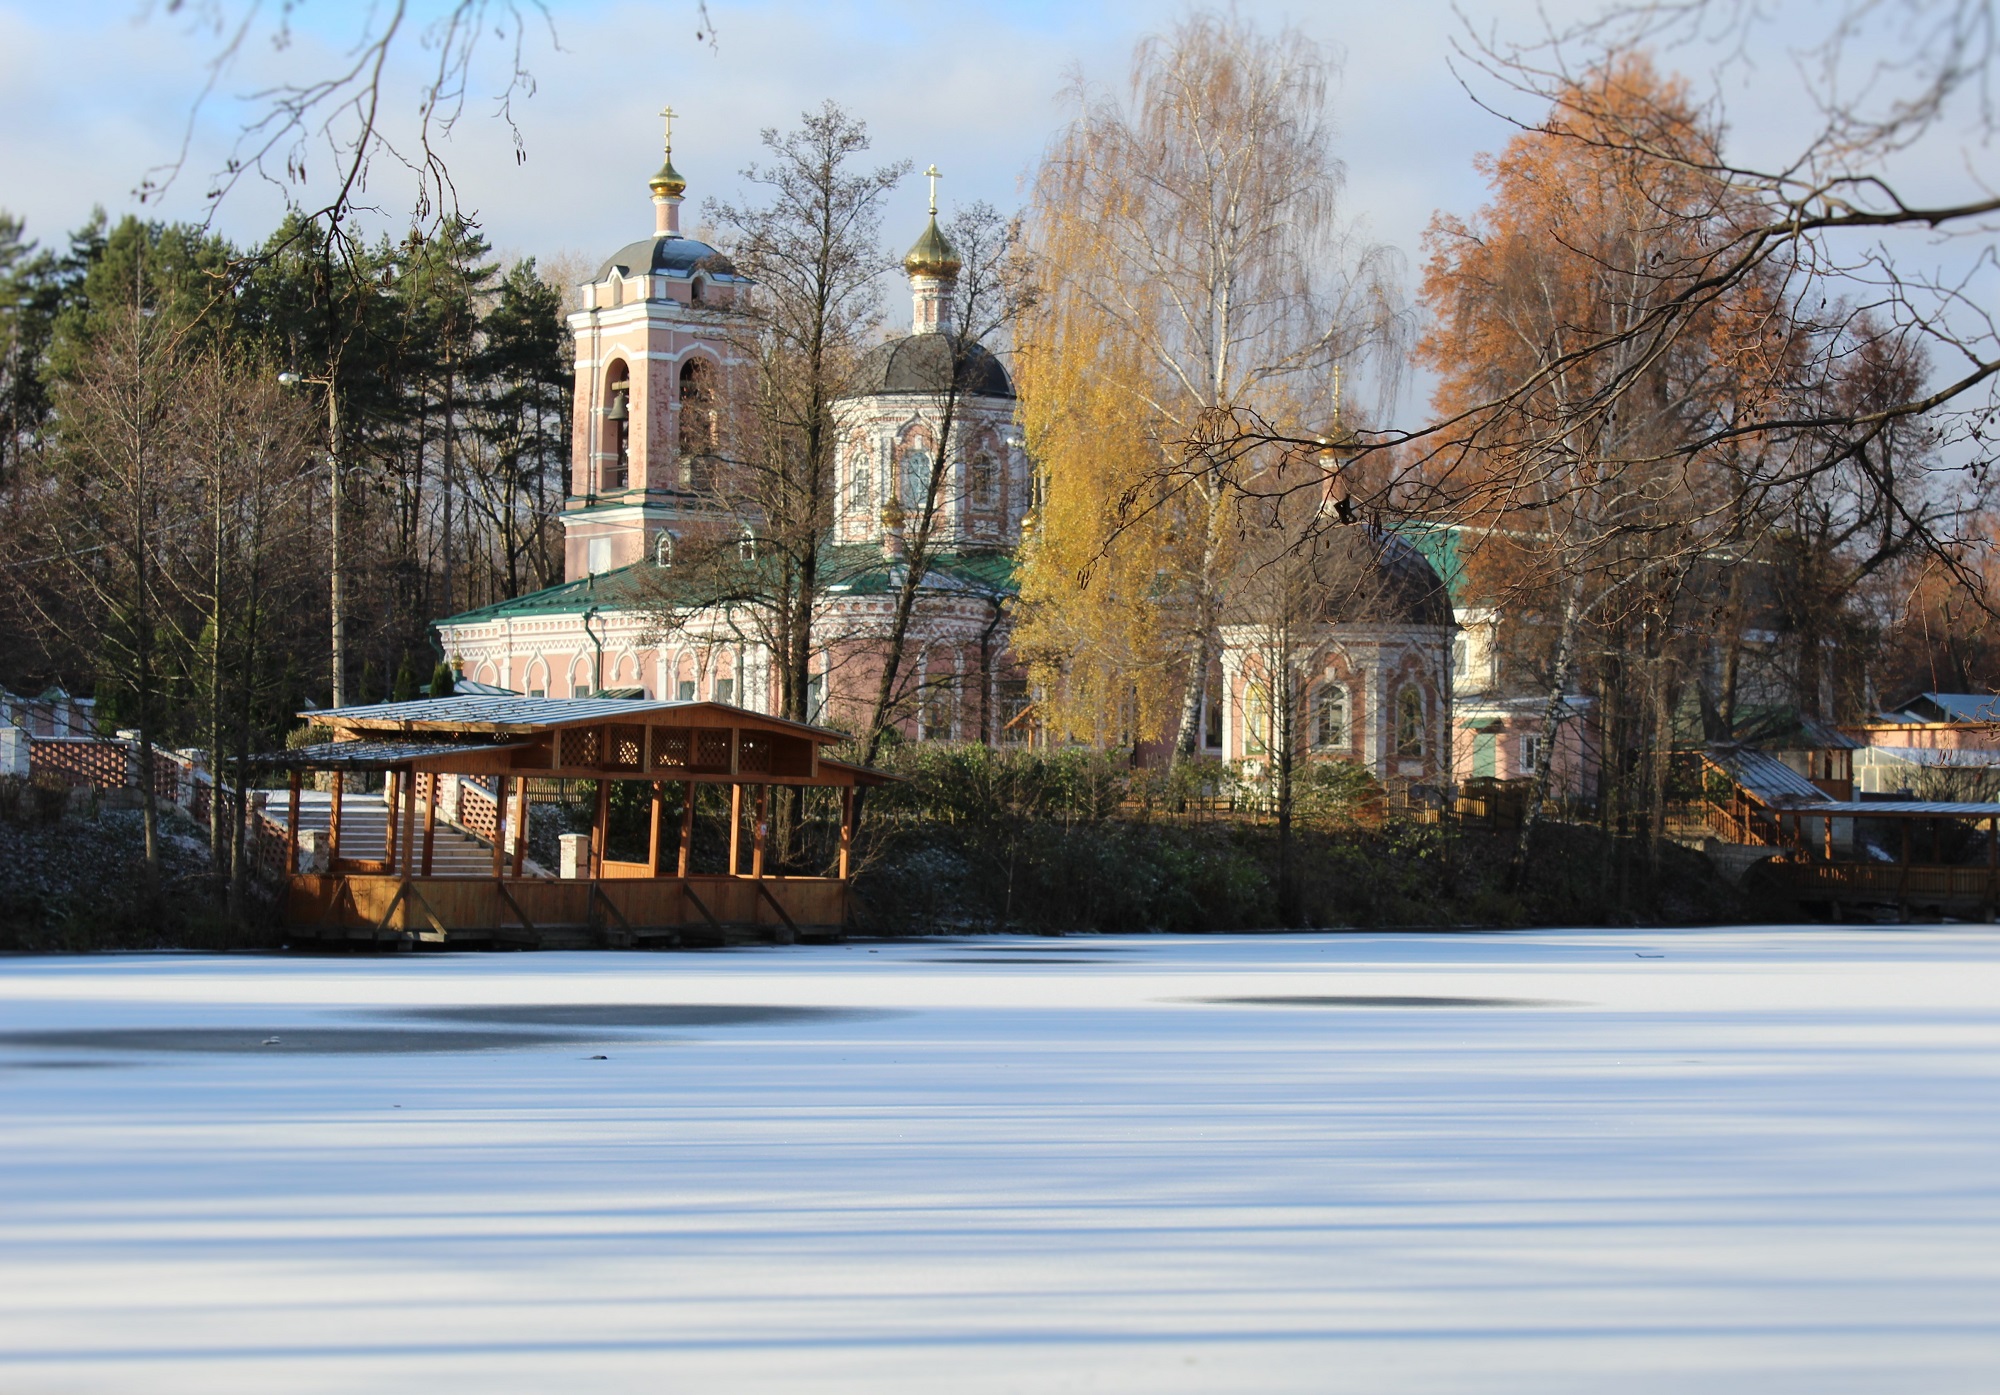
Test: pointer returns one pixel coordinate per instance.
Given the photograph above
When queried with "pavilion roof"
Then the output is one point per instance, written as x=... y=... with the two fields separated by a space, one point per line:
x=488 y=714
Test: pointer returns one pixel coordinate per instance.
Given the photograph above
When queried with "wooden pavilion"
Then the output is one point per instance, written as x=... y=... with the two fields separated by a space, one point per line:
x=502 y=742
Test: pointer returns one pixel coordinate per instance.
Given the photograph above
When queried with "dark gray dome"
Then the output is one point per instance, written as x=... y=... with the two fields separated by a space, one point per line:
x=922 y=363
x=1372 y=577
x=671 y=256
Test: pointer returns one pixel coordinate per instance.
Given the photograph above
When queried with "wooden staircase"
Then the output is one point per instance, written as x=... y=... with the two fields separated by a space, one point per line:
x=364 y=823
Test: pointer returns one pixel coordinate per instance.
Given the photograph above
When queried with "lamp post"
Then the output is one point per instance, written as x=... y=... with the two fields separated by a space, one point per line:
x=334 y=589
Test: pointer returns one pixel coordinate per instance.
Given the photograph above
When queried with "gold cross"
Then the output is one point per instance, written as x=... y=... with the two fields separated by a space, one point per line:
x=668 y=113
x=934 y=176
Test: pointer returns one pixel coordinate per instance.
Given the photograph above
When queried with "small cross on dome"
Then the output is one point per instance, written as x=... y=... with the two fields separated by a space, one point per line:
x=934 y=177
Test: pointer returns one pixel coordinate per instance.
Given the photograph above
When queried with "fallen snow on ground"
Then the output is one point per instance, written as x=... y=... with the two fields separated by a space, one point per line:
x=1717 y=1161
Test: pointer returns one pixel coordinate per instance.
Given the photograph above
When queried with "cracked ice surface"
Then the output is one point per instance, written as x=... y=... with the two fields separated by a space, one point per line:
x=1538 y=1162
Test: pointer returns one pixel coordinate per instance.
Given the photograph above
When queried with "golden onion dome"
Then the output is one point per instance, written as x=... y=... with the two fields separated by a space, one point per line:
x=933 y=254
x=893 y=517
x=667 y=184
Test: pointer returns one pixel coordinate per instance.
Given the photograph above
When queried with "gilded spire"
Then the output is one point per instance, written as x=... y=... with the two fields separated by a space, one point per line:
x=668 y=184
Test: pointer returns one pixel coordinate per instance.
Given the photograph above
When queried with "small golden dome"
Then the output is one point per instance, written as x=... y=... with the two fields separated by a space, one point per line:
x=892 y=515
x=933 y=254
x=667 y=184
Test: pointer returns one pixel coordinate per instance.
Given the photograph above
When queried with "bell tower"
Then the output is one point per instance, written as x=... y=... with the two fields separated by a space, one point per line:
x=655 y=334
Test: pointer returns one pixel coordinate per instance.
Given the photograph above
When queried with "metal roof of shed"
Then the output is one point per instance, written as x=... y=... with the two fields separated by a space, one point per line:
x=1768 y=779
x=1904 y=808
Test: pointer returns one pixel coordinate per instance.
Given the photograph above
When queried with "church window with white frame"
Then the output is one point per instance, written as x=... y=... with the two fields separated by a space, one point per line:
x=1331 y=729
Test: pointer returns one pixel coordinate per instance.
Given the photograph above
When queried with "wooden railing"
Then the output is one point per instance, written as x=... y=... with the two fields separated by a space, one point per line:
x=1889 y=882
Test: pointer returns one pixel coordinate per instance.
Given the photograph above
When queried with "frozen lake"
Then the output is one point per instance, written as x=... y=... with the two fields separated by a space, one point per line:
x=1746 y=1160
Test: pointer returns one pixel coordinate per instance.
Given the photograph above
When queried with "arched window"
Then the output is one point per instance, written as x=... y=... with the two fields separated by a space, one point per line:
x=698 y=422
x=861 y=487
x=746 y=545
x=1410 y=724
x=663 y=549
x=985 y=483
x=1330 y=728
x=1256 y=719
x=916 y=478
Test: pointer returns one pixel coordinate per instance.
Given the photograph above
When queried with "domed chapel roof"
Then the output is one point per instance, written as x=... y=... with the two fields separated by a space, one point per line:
x=667 y=254
x=923 y=363
x=1372 y=577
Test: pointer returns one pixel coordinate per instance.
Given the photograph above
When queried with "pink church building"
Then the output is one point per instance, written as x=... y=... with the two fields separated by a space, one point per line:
x=657 y=336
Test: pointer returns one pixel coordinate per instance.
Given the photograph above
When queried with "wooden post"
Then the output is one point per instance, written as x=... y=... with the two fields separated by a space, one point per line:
x=757 y=833
x=391 y=796
x=1829 y=837
x=735 y=829
x=292 y=829
x=430 y=819
x=846 y=831
x=333 y=823
x=406 y=785
x=520 y=822
x=653 y=845
x=687 y=831
x=600 y=831
x=499 y=826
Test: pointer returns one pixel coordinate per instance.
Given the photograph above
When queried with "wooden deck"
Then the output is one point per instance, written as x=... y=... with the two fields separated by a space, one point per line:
x=624 y=908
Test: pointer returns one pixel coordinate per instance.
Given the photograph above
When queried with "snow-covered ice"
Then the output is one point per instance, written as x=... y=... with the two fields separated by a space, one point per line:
x=1759 y=1160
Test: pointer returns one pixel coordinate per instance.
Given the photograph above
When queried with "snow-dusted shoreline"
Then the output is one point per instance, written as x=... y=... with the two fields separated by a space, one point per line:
x=1548 y=1161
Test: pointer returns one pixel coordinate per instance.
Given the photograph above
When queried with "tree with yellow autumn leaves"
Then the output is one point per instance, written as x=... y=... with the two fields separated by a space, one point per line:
x=1197 y=290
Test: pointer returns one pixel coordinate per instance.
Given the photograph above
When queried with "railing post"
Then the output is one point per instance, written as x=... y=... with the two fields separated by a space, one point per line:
x=687 y=832
x=333 y=823
x=520 y=821
x=292 y=826
x=430 y=819
x=846 y=830
x=735 y=828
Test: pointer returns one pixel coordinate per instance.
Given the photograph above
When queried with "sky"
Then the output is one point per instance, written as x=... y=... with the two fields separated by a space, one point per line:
x=98 y=94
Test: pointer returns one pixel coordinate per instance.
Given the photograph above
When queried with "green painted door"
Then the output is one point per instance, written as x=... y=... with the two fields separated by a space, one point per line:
x=1485 y=755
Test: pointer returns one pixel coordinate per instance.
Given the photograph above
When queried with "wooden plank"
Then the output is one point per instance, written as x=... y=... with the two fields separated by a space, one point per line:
x=515 y=906
x=382 y=923
x=702 y=906
x=764 y=887
x=416 y=895
x=597 y=893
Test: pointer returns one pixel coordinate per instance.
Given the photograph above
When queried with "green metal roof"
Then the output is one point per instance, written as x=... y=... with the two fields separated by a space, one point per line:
x=856 y=569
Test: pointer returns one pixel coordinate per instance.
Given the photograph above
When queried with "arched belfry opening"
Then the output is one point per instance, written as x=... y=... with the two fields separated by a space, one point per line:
x=615 y=454
x=698 y=423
